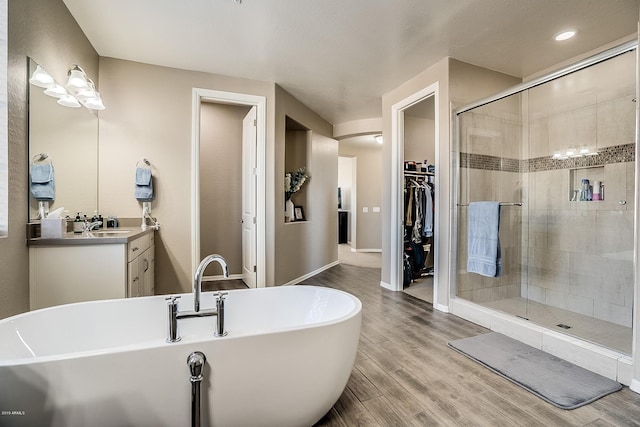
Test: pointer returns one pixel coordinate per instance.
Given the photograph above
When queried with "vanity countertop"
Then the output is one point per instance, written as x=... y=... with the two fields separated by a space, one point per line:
x=103 y=236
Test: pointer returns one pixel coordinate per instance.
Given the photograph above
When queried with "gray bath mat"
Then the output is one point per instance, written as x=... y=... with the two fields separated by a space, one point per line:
x=555 y=380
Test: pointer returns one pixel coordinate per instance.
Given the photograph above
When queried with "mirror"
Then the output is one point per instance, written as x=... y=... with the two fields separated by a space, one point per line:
x=69 y=137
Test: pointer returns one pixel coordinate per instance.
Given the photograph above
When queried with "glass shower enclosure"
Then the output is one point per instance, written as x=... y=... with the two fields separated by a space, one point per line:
x=558 y=153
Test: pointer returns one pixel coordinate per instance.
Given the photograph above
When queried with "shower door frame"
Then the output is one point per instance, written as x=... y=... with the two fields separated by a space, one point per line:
x=455 y=216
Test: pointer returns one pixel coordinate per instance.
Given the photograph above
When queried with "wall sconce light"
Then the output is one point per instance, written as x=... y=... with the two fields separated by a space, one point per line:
x=56 y=90
x=41 y=78
x=77 y=78
x=80 y=89
x=68 y=101
x=574 y=153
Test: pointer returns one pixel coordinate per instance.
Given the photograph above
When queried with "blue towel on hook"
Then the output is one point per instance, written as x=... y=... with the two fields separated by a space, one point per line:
x=42 y=181
x=484 y=255
x=144 y=185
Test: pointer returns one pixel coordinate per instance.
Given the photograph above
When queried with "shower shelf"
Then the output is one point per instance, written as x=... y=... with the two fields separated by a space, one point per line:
x=576 y=175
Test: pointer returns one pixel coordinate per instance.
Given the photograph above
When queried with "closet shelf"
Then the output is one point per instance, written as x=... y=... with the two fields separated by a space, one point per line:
x=416 y=173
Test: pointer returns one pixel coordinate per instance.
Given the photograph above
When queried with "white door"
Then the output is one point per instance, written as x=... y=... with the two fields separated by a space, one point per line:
x=249 y=175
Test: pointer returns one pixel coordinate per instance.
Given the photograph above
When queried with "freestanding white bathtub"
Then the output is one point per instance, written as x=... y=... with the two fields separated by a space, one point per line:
x=285 y=362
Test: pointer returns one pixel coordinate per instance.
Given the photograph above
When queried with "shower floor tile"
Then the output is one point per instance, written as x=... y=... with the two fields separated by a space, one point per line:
x=607 y=334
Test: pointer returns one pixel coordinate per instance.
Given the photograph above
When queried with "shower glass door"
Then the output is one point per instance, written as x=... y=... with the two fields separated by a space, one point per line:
x=565 y=151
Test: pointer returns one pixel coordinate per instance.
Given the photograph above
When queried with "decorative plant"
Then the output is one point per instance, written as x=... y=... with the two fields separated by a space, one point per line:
x=293 y=182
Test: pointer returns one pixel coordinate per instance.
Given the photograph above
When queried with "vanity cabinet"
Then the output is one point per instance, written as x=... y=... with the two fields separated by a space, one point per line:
x=73 y=269
x=140 y=266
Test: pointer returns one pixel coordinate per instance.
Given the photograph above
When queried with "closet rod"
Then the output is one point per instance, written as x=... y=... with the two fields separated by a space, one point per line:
x=501 y=204
x=412 y=173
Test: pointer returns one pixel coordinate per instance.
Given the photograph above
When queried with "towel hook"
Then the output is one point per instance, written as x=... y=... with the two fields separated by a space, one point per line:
x=145 y=162
x=41 y=158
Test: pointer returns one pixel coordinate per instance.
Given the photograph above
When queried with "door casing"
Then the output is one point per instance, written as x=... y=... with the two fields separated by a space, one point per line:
x=200 y=95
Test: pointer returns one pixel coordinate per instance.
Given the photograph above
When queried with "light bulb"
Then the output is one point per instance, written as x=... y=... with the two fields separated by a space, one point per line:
x=41 y=78
x=68 y=101
x=94 y=103
x=56 y=91
x=77 y=79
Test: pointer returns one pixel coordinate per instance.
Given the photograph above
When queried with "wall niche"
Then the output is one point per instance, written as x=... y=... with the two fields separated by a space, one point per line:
x=296 y=156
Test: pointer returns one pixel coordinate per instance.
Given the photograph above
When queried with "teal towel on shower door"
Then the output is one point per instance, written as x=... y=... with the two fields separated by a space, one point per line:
x=484 y=256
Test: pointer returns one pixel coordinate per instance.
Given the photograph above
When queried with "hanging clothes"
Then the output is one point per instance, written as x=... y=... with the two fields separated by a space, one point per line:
x=408 y=216
x=418 y=224
x=416 y=234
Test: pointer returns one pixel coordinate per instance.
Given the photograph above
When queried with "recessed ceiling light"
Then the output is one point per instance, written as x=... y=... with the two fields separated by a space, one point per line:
x=564 y=35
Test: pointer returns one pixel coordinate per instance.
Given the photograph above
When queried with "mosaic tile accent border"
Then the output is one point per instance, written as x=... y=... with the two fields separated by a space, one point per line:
x=606 y=155
x=492 y=163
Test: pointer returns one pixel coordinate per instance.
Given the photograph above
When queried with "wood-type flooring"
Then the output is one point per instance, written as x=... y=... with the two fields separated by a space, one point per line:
x=406 y=375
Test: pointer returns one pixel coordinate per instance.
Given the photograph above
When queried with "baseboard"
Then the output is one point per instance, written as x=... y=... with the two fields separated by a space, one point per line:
x=441 y=307
x=387 y=286
x=635 y=385
x=366 y=250
x=313 y=273
x=217 y=278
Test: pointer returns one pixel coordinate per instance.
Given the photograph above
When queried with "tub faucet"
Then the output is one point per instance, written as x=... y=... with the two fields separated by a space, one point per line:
x=197 y=277
x=174 y=315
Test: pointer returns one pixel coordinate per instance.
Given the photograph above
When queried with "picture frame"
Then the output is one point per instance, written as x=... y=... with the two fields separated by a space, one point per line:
x=298 y=213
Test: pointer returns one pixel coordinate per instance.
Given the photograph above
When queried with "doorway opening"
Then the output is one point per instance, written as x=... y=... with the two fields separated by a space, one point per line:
x=419 y=186
x=415 y=159
x=228 y=202
x=359 y=201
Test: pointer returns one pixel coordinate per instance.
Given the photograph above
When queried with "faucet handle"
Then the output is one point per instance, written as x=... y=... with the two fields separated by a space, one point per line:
x=220 y=294
x=172 y=299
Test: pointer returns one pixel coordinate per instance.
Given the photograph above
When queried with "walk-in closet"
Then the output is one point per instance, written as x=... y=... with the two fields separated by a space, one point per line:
x=419 y=199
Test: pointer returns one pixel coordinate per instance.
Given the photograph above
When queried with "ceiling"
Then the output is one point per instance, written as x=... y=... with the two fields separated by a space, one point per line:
x=340 y=57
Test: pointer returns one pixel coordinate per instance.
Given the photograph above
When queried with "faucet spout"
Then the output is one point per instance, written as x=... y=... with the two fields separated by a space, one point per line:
x=197 y=277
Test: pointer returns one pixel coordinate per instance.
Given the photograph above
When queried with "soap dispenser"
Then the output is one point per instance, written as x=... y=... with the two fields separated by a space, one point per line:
x=77 y=224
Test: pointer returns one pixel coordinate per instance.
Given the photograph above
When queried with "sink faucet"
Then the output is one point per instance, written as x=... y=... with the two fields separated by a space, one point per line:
x=197 y=277
x=88 y=226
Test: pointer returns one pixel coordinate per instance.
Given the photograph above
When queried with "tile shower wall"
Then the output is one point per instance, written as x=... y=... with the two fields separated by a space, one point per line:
x=580 y=253
x=568 y=254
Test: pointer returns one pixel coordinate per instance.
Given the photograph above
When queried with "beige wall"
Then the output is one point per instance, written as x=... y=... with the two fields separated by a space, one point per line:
x=45 y=31
x=368 y=193
x=438 y=73
x=149 y=115
x=304 y=247
x=419 y=139
x=470 y=83
x=221 y=183
x=459 y=84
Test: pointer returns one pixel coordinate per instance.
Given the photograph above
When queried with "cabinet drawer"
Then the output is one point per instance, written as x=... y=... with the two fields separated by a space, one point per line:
x=137 y=246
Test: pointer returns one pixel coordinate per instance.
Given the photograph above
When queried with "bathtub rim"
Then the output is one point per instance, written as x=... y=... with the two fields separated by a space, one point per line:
x=186 y=340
